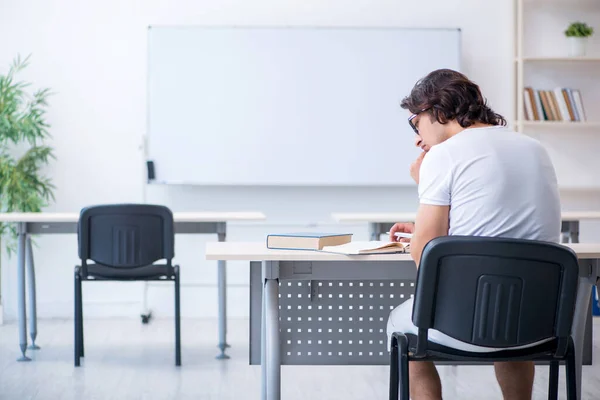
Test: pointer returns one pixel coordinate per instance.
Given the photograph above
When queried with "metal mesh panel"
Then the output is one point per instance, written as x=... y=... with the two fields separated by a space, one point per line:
x=338 y=322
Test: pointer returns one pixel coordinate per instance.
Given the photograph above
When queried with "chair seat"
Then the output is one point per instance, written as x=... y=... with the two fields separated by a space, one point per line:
x=438 y=352
x=147 y=272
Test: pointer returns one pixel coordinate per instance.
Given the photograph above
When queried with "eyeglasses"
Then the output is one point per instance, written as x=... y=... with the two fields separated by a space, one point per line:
x=410 y=120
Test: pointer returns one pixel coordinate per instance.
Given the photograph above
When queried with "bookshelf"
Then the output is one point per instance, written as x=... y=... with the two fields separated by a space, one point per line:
x=561 y=125
x=560 y=59
x=542 y=62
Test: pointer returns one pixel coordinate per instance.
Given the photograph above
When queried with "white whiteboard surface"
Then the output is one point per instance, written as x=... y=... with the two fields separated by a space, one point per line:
x=287 y=106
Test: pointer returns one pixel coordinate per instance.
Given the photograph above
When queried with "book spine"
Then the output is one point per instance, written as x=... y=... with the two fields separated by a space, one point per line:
x=573 y=105
x=568 y=103
x=547 y=108
x=579 y=103
x=532 y=101
x=267 y=241
x=562 y=106
x=538 y=102
x=555 y=106
x=527 y=106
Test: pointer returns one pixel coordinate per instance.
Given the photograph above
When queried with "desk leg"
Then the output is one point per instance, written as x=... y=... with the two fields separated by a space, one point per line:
x=271 y=353
x=579 y=321
x=588 y=335
x=569 y=232
x=222 y=283
x=146 y=312
x=374 y=230
x=574 y=231
x=263 y=341
x=597 y=289
x=22 y=314
x=32 y=294
x=565 y=231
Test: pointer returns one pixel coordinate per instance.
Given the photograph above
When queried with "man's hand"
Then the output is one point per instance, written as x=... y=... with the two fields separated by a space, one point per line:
x=406 y=227
x=415 y=167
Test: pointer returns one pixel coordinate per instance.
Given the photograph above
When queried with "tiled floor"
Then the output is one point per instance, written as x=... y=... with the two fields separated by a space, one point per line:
x=127 y=360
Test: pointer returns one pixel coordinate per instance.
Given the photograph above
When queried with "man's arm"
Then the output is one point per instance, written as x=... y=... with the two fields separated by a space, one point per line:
x=431 y=222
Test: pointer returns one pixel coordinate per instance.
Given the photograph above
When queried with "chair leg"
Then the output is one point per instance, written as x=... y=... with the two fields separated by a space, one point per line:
x=403 y=370
x=177 y=320
x=394 y=378
x=399 y=383
x=81 y=341
x=77 y=316
x=553 y=380
x=571 y=372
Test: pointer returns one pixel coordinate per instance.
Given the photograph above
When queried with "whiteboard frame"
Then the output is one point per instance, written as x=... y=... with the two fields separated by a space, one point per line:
x=146 y=136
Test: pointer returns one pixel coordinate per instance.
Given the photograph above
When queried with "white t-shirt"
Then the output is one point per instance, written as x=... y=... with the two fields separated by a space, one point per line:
x=497 y=182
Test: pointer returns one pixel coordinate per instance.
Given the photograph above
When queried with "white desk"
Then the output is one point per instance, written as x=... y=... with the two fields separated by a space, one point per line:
x=66 y=223
x=270 y=267
x=380 y=223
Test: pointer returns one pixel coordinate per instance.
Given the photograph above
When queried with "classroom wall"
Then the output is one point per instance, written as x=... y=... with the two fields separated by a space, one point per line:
x=93 y=55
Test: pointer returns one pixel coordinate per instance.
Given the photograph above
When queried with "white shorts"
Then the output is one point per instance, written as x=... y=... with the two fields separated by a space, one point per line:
x=400 y=320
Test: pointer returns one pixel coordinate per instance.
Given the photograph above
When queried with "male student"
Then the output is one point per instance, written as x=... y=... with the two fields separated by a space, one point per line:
x=475 y=177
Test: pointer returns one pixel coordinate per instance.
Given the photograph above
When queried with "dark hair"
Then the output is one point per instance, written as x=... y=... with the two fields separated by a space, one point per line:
x=449 y=95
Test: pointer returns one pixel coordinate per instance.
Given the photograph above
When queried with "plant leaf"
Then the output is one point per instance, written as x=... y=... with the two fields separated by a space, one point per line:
x=23 y=187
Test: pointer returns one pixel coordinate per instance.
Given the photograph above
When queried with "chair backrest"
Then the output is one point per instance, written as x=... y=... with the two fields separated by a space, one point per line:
x=126 y=235
x=496 y=292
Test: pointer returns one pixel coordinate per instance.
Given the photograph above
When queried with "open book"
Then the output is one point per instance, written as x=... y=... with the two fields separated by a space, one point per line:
x=372 y=247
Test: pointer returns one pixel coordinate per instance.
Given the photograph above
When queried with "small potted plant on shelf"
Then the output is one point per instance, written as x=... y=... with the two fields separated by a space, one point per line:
x=578 y=33
x=23 y=153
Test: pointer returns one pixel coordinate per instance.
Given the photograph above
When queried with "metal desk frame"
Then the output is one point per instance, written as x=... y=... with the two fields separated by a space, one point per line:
x=267 y=320
x=26 y=274
x=569 y=230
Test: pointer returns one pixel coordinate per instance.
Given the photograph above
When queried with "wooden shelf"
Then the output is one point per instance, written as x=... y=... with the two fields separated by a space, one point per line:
x=559 y=59
x=565 y=3
x=561 y=124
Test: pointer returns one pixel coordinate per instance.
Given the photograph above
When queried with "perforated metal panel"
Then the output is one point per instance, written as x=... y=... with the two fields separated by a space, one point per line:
x=338 y=322
x=306 y=331
x=331 y=313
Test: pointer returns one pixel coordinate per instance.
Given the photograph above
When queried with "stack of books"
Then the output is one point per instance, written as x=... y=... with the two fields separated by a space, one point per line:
x=560 y=104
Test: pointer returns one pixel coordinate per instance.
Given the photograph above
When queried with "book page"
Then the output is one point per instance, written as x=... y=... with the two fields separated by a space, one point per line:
x=366 y=247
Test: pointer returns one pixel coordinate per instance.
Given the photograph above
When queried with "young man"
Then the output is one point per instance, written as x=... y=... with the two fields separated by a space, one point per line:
x=475 y=177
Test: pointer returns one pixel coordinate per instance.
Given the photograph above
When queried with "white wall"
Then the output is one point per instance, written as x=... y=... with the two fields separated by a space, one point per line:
x=93 y=55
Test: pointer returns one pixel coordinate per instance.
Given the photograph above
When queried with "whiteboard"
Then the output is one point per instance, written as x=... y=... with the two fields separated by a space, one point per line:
x=287 y=106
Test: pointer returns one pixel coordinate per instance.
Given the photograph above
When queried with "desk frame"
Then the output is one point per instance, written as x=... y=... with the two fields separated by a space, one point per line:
x=569 y=230
x=274 y=271
x=26 y=274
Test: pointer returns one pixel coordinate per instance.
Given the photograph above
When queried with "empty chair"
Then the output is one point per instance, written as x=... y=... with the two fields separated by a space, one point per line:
x=493 y=293
x=124 y=243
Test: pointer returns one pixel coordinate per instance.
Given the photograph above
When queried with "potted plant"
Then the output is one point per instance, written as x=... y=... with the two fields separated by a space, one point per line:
x=577 y=34
x=23 y=128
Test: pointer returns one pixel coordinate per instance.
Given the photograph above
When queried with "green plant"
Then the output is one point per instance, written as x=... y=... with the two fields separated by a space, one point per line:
x=23 y=129
x=579 y=29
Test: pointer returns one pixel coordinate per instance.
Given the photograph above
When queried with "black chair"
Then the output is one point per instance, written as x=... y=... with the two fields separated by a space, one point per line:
x=125 y=242
x=492 y=292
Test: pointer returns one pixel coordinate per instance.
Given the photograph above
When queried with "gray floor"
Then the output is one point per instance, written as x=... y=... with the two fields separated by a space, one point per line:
x=127 y=360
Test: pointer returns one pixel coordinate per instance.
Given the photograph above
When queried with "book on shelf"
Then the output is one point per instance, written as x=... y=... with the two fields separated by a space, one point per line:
x=559 y=104
x=306 y=240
